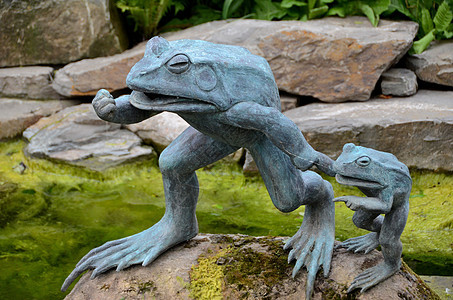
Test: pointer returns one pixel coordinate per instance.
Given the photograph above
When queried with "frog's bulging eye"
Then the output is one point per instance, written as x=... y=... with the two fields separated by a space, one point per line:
x=178 y=64
x=363 y=161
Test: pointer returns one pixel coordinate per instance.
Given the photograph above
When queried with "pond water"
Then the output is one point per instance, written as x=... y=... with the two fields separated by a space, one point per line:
x=52 y=214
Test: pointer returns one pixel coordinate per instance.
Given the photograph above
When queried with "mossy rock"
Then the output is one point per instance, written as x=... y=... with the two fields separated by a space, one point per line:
x=213 y=266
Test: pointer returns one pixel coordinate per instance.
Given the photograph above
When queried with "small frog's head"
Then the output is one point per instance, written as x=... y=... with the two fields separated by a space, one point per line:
x=368 y=168
x=202 y=73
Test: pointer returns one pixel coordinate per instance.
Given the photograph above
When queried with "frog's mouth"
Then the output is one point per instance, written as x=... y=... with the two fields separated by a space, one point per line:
x=160 y=102
x=346 y=180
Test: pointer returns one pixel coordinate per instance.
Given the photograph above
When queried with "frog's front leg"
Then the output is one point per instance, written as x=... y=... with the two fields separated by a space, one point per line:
x=119 y=110
x=178 y=162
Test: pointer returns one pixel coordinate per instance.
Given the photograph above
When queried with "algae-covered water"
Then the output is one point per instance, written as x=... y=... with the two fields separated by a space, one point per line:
x=52 y=214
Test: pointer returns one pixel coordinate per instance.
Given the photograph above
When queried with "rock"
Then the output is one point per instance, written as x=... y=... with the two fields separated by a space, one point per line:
x=399 y=82
x=57 y=31
x=332 y=59
x=417 y=129
x=159 y=130
x=77 y=136
x=250 y=168
x=16 y=115
x=27 y=82
x=441 y=285
x=288 y=102
x=213 y=266
x=435 y=64
x=86 y=77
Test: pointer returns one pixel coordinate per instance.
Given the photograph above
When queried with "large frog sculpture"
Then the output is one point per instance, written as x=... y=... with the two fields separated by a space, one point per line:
x=387 y=184
x=231 y=100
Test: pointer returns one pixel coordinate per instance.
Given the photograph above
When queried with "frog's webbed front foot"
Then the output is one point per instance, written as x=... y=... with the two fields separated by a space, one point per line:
x=372 y=276
x=143 y=247
x=365 y=243
x=312 y=245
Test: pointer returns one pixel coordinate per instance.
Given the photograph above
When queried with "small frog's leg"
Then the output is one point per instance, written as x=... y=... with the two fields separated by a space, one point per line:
x=312 y=245
x=178 y=162
x=392 y=248
x=119 y=110
x=281 y=131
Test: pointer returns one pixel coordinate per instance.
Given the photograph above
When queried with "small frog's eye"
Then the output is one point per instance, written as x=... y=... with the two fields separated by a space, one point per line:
x=363 y=161
x=178 y=64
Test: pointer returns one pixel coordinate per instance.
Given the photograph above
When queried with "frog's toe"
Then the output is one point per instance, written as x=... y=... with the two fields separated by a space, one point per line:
x=365 y=243
x=371 y=277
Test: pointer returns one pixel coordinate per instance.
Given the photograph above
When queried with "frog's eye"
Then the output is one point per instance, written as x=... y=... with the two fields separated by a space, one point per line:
x=363 y=161
x=178 y=64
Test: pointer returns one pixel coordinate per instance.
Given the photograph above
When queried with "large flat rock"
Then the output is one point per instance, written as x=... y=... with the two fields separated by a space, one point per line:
x=241 y=267
x=435 y=64
x=160 y=130
x=332 y=59
x=58 y=31
x=417 y=129
x=27 y=82
x=87 y=76
x=77 y=136
x=16 y=115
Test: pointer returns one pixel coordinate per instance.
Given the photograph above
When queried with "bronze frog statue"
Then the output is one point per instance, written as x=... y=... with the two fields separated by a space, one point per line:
x=387 y=184
x=230 y=99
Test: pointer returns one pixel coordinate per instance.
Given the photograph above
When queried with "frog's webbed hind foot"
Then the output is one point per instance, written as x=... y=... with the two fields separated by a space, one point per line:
x=372 y=276
x=141 y=248
x=312 y=245
x=365 y=243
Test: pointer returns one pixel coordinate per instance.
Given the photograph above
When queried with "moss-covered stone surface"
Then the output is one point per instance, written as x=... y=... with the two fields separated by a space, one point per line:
x=52 y=214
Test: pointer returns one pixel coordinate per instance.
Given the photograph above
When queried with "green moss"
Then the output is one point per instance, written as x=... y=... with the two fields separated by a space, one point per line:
x=53 y=214
x=206 y=278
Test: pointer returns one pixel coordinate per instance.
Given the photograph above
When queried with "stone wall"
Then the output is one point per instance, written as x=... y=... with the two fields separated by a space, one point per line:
x=328 y=60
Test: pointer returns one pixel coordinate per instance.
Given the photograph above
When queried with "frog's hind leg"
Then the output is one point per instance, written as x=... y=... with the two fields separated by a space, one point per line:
x=178 y=162
x=368 y=242
x=289 y=188
x=389 y=239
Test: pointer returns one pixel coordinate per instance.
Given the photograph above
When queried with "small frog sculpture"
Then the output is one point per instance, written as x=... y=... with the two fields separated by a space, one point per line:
x=231 y=100
x=387 y=184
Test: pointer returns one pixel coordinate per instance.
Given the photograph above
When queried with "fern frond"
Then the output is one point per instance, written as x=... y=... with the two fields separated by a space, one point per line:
x=443 y=17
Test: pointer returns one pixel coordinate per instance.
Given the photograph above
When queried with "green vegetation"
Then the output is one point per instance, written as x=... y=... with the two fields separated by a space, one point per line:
x=434 y=17
x=53 y=214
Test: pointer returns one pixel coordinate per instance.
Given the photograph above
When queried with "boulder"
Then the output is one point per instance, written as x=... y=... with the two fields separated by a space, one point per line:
x=435 y=64
x=16 y=115
x=288 y=102
x=399 y=82
x=77 y=136
x=88 y=76
x=58 y=31
x=27 y=82
x=417 y=129
x=213 y=266
x=250 y=168
x=159 y=130
x=332 y=59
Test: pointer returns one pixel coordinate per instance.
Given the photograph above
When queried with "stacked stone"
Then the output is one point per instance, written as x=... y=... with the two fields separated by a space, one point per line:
x=330 y=60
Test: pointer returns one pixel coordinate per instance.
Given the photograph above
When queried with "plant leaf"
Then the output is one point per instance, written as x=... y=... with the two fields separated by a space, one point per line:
x=423 y=43
x=427 y=21
x=368 y=11
x=443 y=17
x=338 y=11
x=291 y=3
x=318 y=12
